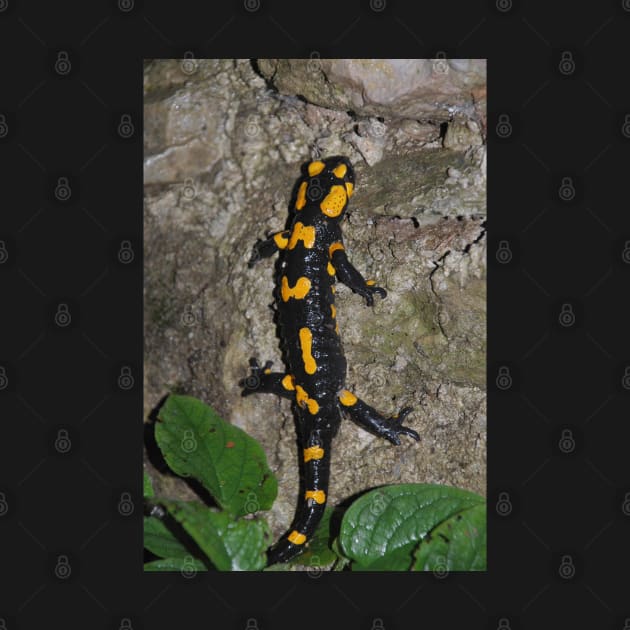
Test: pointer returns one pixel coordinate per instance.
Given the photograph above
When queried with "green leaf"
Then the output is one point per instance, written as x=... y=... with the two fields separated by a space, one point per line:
x=318 y=552
x=381 y=529
x=230 y=544
x=232 y=466
x=186 y=564
x=148 y=486
x=457 y=544
x=159 y=540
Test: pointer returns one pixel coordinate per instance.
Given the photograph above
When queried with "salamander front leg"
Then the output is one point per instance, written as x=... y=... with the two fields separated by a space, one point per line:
x=348 y=274
x=262 y=380
x=268 y=247
x=369 y=419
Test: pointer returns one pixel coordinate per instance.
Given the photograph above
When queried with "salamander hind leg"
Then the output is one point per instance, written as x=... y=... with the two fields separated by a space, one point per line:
x=369 y=419
x=262 y=380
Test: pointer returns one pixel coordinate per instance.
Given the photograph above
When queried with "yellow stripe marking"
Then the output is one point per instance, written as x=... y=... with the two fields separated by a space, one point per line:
x=334 y=247
x=347 y=399
x=296 y=538
x=370 y=283
x=349 y=188
x=300 y=202
x=340 y=171
x=302 y=233
x=302 y=399
x=301 y=288
x=315 y=168
x=313 y=452
x=319 y=496
x=287 y=382
x=281 y=240
x=333 y=311
x=330 y=269
x=306 y=342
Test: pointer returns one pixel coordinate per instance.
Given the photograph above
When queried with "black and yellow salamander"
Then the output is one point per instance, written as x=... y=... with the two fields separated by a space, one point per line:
x=313 y=257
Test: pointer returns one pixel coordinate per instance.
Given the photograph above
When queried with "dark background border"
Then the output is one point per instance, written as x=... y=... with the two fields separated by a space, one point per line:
x=557 y=197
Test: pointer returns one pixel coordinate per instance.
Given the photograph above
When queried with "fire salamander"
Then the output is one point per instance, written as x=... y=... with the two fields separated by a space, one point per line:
x=314 y=256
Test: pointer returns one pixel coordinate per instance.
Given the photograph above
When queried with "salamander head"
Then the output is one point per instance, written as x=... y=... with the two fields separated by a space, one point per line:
x=326 y=184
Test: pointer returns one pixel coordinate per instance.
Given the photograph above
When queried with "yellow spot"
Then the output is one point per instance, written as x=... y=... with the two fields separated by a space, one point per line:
x=267 y=371
x=319 y=496
x=313 y=452
x=302 y=399
x=302 y=233
x=347 y=398
x=334 y=202
x=334 y=247
x=340 y=171
x=315 y=168
x=349 y=188
x=287 y=382
x=337 y=327
x=301 y=196
x=370 y=283
x=331 y=270
x=281 y=239
x=301 y=288
x=333 y=290
x=296 y=538
x=333 y=311
x=306 y=342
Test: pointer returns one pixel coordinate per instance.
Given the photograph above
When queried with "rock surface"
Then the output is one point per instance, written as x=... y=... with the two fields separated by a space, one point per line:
x=224 y=141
